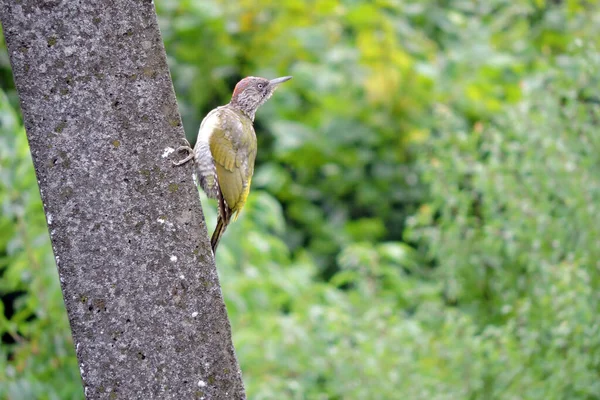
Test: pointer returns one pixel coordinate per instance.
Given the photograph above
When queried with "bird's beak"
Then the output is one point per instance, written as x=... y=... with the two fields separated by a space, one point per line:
x=277 y=81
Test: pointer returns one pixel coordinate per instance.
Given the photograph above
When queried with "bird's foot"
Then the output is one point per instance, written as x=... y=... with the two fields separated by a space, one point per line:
x=185 y=149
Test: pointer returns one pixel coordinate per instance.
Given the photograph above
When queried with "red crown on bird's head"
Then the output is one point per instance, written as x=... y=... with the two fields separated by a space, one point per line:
x=242 y=85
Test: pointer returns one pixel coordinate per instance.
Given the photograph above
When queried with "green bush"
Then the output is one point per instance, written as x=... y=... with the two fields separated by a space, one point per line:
x=512 y=229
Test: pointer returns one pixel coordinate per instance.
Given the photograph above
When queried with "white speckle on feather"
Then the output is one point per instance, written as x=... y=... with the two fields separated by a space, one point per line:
x=194 y=314
x=181 y=276
x=161 y=220
x=49 y=217
x=173 y=258
x=167 y=151
x=201 y=383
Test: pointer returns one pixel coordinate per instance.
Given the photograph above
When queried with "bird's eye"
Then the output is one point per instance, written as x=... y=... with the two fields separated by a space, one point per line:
x=260 y=85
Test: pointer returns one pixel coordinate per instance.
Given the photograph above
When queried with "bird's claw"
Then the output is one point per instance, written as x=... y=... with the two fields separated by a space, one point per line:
x=187 y=149
x=186 y=143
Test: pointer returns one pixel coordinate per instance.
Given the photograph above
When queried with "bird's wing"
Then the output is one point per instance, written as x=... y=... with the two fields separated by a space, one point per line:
x=205 y=165
x=233 y=152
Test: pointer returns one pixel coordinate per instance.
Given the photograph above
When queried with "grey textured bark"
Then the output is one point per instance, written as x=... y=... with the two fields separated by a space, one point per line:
x=137 y=273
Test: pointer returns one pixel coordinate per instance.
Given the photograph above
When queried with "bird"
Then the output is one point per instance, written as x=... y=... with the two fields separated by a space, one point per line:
x=226 y=147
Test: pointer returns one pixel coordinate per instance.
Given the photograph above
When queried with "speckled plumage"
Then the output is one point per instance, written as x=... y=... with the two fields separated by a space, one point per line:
x=224 y=154
x=225 y=150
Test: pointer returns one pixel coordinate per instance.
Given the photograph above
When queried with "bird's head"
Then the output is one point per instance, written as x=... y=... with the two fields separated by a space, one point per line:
x=252 y=92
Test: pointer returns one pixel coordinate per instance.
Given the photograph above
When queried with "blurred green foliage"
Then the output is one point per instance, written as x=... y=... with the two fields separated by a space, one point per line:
x=424 y=219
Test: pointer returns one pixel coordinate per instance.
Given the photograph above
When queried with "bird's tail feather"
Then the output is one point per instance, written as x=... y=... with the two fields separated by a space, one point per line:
x=216 y=236
x=222 y=222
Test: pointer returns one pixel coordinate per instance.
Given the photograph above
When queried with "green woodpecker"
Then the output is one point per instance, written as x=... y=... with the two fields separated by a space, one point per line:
x=226 y=148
